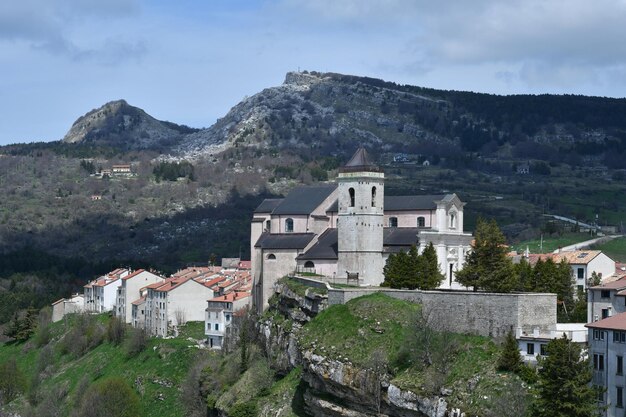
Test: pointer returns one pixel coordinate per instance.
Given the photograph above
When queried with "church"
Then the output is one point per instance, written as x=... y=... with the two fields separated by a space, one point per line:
x=344 y=232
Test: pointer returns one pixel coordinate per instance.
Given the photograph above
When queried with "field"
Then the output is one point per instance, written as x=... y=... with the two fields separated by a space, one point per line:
x=615 y=249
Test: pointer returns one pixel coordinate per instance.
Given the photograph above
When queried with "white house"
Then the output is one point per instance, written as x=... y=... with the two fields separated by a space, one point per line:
x=129 y=291
x=533 y=344
x=174 y=301
x=74 y=304
x=101 y=293
x=220 y=313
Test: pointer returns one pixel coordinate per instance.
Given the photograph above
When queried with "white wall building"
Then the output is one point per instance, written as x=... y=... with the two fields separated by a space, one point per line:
x=220 y=313
x=173 y=302
x=101 y=293
x=129 y=291
x=74 y=304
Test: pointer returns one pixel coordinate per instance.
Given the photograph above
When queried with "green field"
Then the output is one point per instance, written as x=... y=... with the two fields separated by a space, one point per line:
x=550 y=244
x=615 y=249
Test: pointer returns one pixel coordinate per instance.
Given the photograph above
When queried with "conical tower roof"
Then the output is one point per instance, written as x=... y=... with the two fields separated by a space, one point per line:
x=360 y=161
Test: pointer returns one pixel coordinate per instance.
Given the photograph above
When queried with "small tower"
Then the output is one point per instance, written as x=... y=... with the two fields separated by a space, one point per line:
x=360 y=220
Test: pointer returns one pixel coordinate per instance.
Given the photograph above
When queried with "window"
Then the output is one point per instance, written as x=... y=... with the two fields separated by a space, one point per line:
x=217 y=327
x=580 y=288
x=619 y=365
x=351 y=192
x=289 y=225
x=393 y=222
x=530 y=348
x=373 y=196
x=452 y=220
x=268 y=225
x=619 y=337
x=309 y=264
x=421 y=222
x=542 y=349
x=619 y=401
x=605 y=294
x=271 y=257
x=605 y=313
x=580 y=273
x=598 y=334
x=598 y=362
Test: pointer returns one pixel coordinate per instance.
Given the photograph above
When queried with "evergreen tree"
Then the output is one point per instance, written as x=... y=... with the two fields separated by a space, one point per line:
x=564 y=388
x=524 y=272
x=428 y=266
x=510 y=358
x=487 y=266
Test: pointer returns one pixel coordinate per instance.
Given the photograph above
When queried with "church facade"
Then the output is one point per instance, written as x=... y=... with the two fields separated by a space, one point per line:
x=344 y=232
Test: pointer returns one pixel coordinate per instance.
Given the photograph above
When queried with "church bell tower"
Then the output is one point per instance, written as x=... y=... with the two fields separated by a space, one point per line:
x=360 y=220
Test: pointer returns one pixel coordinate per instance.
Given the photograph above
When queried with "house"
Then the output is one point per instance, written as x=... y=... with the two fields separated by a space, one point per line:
x=532 y=345
x=129 y=291
x=346 y=230
x=606 y=300
x=523 y=168
x=220 y=313
x=584 y=263
x=74 y=304
x=121 y=170
x=101 y=293
x=174 y=301
x=138 y=313
x=607 y=349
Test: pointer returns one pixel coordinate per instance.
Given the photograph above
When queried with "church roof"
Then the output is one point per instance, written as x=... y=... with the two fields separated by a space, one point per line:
x=412 y=202
x=360 y=161
x=284 y=240
x=400 y=236
x=303 y=200
x=325 y=248
x=268 y=205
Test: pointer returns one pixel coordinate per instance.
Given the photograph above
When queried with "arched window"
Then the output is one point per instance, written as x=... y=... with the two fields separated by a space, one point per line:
x=452 y=220
x=393 y=222
x=271 y=257
x=309 y=264
x=421 y=222
x=351 y=191
x=289 y=225
x=373 y=196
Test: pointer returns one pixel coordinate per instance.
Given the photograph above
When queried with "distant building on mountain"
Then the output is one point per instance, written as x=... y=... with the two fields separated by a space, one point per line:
x=344 y=232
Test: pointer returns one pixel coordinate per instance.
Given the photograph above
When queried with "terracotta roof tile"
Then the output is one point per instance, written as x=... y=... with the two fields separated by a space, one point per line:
x=617 y=322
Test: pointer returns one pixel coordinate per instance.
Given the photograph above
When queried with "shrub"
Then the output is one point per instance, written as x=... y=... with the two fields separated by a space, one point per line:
x=12 y=381
x=115 y=331
x=247 y=409
x=137 y=342
x=510 y=358
x=111 y=397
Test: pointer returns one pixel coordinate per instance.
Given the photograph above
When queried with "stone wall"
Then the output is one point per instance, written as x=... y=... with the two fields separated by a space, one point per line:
x=480 y=313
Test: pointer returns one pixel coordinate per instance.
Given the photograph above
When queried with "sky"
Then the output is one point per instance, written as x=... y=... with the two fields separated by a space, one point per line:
x=190 y=61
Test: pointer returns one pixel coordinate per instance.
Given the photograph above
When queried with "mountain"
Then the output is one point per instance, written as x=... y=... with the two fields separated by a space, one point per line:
x=321 y=114
x=120 y=125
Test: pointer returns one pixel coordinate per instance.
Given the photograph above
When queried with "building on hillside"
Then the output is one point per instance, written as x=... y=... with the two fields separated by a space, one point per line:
x=220 y=315
x=531 y=345
x=174 y=302
x=121 y=169
x=101 y=293
x=345 y=231
x=74 y=304
x=138 y=312
x=584 y=264
x=606 y=300
x=607 y=350
x=130 y=290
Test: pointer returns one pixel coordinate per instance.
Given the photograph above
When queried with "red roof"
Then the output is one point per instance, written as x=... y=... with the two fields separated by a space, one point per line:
x=612 y=285
x=139 y=301
x=230 y=297
x=617 y=322
x=137 y=272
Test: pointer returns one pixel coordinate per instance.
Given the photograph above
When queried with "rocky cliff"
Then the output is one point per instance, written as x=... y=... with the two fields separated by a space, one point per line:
x=333 y=384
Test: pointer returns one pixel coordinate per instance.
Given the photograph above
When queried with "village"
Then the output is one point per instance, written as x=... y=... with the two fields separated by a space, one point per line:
x=344 y=233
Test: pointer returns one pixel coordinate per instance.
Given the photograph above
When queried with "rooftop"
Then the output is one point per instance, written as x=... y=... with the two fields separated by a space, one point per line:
x=617 y=322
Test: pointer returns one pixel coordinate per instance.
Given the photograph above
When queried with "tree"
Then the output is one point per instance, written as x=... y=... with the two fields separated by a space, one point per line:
x=111 y=397
x=429 y=276
x=564 y=388
x=487 y=266
x=12 y=381
x=510 y=358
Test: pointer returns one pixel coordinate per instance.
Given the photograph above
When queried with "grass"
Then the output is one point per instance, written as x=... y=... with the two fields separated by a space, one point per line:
x=300 y=288
x=614 y=249
x=549 y=243
x=358 y=328
x=156 y=373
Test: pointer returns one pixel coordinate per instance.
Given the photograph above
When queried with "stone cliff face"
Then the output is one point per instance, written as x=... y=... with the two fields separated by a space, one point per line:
x=334 y=387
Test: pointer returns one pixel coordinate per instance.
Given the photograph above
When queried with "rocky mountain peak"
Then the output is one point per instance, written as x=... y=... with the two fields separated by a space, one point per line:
x=303 y=78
